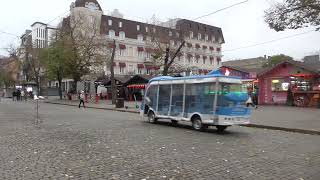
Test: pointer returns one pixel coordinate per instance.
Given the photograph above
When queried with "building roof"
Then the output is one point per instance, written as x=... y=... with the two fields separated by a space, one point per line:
x=131 y=31
x=295 y=63
x=83 y=3
x=247 y=65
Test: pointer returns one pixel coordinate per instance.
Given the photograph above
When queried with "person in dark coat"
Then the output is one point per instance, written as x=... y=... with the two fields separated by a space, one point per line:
x=14 y=95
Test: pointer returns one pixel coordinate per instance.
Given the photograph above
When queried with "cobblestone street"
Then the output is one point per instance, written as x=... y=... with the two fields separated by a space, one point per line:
x=73 y=143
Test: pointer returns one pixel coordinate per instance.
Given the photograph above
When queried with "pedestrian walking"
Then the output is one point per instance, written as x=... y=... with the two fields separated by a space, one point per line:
x=22 y=95
x=81 y=98
x=14 y=95
x=18 y=95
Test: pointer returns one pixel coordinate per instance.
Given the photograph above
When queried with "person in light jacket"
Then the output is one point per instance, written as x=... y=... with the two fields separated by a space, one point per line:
x=81 y=98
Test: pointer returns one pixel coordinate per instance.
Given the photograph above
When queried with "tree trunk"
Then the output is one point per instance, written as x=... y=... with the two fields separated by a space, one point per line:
x=60 y=88
x=113 y=83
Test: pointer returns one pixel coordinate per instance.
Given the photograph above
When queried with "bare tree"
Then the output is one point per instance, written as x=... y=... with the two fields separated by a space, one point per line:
x=166 y=46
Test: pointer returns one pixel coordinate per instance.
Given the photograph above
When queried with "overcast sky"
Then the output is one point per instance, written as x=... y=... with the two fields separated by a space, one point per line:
x=242 y=25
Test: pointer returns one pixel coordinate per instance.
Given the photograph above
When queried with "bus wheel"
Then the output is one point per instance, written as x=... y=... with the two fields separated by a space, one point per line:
x=197 y=124
x=220 y=129
x=152 y=117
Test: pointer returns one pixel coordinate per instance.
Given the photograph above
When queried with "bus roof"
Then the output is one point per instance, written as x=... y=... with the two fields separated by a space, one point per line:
x=212 y=74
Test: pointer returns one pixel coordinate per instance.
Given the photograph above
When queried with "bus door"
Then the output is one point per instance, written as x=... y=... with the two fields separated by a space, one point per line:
x=176 y=106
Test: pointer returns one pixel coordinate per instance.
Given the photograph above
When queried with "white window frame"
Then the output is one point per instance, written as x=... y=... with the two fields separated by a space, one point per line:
x=140 y=38
x=112 y=34
x=199 y=36
x=122 y=35
x=110 y=22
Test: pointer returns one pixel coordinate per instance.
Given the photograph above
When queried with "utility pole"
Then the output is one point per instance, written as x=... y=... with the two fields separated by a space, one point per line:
x=113 y=83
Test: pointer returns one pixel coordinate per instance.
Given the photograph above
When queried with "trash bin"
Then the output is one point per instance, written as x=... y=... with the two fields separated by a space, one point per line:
x=120 y=103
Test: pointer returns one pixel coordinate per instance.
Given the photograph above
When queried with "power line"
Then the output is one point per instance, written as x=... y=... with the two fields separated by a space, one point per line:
x=4 y=32
x=228 y=7
x=270 y=41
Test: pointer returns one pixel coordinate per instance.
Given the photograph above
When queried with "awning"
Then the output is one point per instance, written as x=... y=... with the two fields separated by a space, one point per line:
x=122 y=46
x=140 y=49
x=137 y=86
x=156 y=67
x=111 y=45
x=122 y=64
x=149 y=67
x=204 y=47
x=140 y=66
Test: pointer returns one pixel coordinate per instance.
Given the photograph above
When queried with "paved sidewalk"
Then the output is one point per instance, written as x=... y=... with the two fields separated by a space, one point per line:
x=303 y=120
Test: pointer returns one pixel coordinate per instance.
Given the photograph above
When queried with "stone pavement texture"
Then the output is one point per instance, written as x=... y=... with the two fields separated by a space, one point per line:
x=73 y=143
x=291 y=118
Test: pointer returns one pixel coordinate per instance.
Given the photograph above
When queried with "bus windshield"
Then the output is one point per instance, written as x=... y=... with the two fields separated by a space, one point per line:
x=231 y=95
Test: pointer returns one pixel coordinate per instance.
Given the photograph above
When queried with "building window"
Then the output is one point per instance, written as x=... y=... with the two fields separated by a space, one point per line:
x=170 y=33
x=112 y=34
x=211 y=61
x=147 y=29
x=140 y=71
x=199 y=36
x=279 y=85
x=172 y=43
x=207 y=37
x=191 y=35
x=120 y=24
x=154 y=30
x=138 y=27
x=204 y=61
x=178 y=35
x=122 y=52
x=122 y=35
x=140 y=54
x=121 y=70
x=140 y=38
x=148 y=71
x=148 y=55
x=110 y=22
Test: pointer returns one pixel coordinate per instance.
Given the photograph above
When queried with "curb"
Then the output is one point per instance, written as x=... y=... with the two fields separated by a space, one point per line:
x=302 y=131
x=90 y=107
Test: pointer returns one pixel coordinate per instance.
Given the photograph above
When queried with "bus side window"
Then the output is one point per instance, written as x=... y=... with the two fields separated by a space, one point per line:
x=151 y=96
